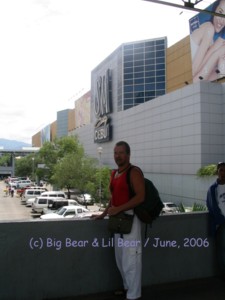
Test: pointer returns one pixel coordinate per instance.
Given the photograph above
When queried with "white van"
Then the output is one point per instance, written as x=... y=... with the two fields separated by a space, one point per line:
x=42 y=202
x=58 y=203
x=22 y=184
x=32 y=193
x=54 y=194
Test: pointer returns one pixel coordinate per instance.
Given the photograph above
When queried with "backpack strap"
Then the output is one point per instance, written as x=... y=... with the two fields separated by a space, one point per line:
x=131 y=190
x=132 y=193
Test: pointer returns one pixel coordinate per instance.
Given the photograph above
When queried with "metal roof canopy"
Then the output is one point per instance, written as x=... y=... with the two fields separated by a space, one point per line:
x=188 y=4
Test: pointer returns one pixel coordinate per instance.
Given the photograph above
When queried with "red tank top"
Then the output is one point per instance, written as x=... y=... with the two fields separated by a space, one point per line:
x=119 y=189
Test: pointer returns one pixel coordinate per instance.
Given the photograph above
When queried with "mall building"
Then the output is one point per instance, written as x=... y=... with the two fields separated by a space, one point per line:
x=143 y=93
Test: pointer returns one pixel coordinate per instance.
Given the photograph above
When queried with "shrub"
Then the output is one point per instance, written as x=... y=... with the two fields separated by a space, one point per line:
x=209 y=170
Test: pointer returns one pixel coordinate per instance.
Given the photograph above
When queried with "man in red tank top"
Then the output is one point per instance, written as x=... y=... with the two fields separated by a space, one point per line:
x=128 y=249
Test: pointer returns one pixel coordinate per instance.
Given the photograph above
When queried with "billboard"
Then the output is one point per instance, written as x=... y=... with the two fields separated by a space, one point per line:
x=82 y=110
x=207 y=39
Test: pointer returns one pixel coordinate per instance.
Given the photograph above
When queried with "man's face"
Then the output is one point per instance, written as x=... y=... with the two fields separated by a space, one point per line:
x=221 y=174
x=120 y=156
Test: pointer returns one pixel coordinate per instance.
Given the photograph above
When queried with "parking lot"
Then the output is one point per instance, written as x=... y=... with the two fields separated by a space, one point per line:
x=12 y=209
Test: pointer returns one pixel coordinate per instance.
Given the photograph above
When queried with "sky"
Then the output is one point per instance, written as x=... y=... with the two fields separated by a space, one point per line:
x=49 y=48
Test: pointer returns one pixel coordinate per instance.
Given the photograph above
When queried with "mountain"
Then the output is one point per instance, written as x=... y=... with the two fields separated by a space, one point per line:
x=12 y=144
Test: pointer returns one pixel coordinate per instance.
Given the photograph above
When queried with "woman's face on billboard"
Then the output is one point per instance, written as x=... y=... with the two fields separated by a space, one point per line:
x=219 y=22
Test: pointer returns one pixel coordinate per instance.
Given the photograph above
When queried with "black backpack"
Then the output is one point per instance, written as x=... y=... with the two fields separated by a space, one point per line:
x=152 y=205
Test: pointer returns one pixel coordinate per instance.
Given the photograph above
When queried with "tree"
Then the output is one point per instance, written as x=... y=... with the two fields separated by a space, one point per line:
x=24 y=166
x=5 y=160
x=102 y=175
x=51 y=153
x=75 y=171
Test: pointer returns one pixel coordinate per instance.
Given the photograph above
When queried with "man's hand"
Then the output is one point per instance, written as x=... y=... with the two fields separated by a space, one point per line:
x=97 y=217
x=113 y=210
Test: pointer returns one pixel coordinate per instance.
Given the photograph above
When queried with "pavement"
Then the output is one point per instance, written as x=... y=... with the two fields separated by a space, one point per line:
x=198 y=289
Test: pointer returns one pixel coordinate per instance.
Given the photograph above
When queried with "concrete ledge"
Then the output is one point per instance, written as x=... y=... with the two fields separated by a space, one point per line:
x=53 y=259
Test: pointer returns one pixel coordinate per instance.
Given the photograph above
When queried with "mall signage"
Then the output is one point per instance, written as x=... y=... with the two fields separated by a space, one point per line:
x=103 y=107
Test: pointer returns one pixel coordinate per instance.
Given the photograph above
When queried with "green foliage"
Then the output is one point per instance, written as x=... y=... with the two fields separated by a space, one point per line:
x=51 y=153
x=198 y=207
x=102 y=176
x=5 y=160
x=181 y=208
x=209 y=170
x=67 y=166
x=24 y=166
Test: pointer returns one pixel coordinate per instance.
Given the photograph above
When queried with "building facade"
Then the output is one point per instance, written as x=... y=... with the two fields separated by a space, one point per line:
x=172 y=134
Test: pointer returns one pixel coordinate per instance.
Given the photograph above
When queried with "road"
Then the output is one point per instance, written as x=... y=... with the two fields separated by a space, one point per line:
x=11 y=208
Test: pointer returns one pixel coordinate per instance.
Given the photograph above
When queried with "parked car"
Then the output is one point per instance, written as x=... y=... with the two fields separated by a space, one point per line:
x=54 y=194
x=170 y=207
x=30 y=201
x=42 y=202
x=65 y=212
x=58 y=203
x=85 y=199
x=21 y=184
x=32 y=193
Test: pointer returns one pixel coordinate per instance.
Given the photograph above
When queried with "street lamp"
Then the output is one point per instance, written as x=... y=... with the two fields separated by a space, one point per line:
x=100 y=150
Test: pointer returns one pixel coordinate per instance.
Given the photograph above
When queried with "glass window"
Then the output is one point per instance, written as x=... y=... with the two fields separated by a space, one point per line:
x=138 y=50
x=128 y=70
x=160 y=79
x=128 y=81
x=150 y=49
x=128 y=88
x=160 y=60
x=139 y=100
x=128 y=95
x=138 y=63
x=128 y=76
x=160 y=85
x=139 y=56
x=128 y=52
x=42 y=201
x=139 y=69
x=160 y=53
x=139 y=88
x=160 y=72
x=150 y=43
x=149 y=73
x=150 y=61
x=128 y=101
x=150 y=94
x=139 y=81
x=149 y=55
x=128 y=64
x=160 y=47
x=128 y=58
x=160 y=66
x=149 y=68
x=139 y=75
x=150 y=87
x=149 y=80
x=139 y=95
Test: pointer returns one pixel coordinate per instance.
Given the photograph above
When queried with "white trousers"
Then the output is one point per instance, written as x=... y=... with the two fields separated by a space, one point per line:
x=128 y=253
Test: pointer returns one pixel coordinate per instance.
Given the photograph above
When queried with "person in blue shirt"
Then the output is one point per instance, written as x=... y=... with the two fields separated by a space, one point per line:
x=216 y=206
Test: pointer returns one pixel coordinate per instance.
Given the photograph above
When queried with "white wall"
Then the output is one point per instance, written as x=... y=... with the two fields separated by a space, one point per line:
x=171 y=137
